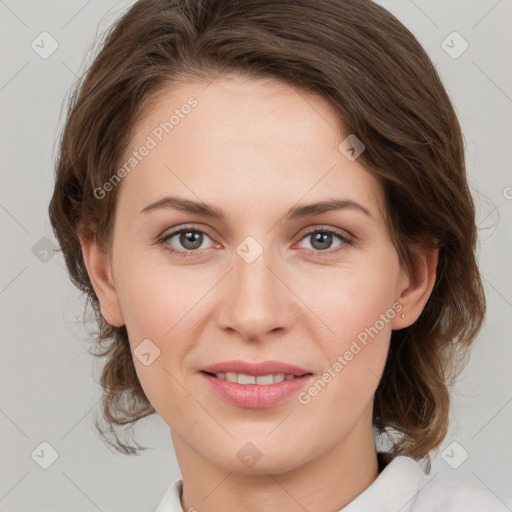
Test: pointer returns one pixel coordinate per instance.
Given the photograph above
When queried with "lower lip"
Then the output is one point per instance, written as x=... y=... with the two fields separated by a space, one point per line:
x=256 y=396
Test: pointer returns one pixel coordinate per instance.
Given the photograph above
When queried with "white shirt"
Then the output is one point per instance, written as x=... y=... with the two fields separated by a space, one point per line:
x=401 y=486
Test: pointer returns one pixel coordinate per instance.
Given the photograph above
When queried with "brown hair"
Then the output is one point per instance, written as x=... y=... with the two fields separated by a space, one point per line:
x=377 y=76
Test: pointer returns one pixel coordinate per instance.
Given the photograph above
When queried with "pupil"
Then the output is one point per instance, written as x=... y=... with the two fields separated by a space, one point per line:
x=190 y=240
x=322 y=237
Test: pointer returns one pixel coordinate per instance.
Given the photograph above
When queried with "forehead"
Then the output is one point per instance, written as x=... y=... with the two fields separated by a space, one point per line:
x=255 y=109
x=252 y=139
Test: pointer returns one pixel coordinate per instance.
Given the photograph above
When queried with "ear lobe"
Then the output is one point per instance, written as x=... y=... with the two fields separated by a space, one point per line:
x=98 y=267
x=415 y=288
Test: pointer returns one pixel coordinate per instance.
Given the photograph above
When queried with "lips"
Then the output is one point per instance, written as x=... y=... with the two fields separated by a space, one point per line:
x=245 y=384
x=255 y=369
x=255 y=396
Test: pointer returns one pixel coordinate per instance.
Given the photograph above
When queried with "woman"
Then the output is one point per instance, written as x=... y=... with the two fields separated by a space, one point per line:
x=267 y=206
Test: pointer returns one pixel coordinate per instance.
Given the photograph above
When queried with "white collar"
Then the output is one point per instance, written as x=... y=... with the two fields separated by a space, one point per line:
x=402 y=485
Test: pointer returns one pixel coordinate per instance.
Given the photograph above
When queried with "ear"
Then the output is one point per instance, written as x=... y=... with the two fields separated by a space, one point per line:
x=414 y=288
x=98 y=267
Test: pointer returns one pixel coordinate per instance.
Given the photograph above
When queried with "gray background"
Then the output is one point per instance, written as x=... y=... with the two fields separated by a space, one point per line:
x=48 y=390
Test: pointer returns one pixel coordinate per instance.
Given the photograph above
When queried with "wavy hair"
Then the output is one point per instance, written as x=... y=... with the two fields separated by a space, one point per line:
x=380 y=80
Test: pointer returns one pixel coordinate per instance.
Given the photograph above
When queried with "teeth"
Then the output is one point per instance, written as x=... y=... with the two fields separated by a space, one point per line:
x=265 y=379
x=243 y=378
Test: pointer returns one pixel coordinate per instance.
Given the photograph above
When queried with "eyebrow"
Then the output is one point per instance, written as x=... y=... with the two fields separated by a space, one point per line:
x=297 y=212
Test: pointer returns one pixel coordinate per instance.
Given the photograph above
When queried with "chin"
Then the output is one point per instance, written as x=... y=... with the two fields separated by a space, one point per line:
x=259 y=458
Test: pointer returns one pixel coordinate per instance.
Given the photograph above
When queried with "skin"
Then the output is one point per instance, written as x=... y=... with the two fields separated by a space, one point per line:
x=256 y=148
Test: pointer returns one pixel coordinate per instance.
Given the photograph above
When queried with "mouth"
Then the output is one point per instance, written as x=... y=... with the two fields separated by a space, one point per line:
x=245 y=370
x=246 y=379
x=255 y=385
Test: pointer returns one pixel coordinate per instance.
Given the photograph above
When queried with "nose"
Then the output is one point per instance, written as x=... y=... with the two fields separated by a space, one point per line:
x=255 y=299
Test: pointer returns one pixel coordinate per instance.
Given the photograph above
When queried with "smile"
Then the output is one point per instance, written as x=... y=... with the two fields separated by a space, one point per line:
x=243 y=378
x=255 y=392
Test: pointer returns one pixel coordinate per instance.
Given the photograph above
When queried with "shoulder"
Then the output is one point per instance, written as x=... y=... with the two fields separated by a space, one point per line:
x=429 y=493
x=439 y=495
x=171 y=502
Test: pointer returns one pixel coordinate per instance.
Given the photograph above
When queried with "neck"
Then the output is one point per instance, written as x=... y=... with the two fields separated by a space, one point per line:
x=328 y=481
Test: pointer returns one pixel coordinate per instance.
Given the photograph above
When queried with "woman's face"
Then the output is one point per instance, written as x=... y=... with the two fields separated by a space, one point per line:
x=257 y=284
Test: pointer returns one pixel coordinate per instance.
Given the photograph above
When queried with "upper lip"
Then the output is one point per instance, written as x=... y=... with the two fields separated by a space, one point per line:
x=255 y=369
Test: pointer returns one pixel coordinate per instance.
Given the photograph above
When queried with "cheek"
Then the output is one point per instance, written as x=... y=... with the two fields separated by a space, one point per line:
x=155 y=307
x=154 y=296
x=351 y=298
x=155 y=311
x=355 y=306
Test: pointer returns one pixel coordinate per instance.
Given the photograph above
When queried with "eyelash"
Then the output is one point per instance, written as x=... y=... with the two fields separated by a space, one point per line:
x=191 y=254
